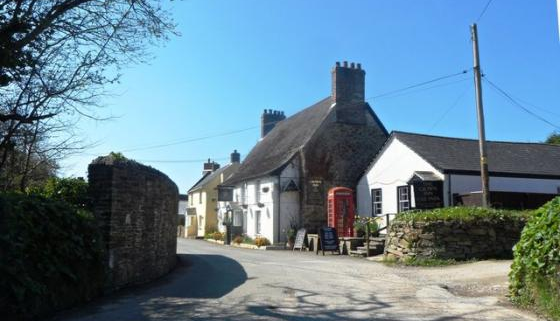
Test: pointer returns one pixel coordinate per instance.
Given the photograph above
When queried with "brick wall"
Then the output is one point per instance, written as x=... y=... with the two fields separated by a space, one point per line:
x=136 y=207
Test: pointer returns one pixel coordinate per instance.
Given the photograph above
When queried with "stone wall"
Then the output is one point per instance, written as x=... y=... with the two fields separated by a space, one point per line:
x=136 y=207
x=461 y=240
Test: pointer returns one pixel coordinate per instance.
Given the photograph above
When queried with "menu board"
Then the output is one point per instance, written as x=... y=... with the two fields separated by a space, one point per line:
x=300 y=239
x=328 y=239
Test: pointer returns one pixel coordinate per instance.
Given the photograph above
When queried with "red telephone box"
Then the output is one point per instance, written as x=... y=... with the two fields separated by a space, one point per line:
x=341 y=210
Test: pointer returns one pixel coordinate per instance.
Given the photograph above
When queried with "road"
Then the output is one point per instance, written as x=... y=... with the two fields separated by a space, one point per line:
x=216 y=282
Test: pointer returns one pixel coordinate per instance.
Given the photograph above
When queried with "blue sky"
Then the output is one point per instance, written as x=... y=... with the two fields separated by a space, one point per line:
x=235 y=58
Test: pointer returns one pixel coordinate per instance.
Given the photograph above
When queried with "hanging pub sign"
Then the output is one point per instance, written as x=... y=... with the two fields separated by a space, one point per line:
x=299 y=243
x=225 y=194
x=328 y=239
x=428 y=194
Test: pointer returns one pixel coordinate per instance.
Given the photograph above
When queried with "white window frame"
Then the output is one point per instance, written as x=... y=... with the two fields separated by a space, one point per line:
x=403 y=198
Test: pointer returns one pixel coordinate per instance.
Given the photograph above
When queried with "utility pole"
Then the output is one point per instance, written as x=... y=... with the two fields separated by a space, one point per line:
x=480 y=114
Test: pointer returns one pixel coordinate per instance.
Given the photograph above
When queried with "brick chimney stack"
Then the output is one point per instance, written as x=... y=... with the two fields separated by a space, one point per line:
x=348 y=83
x=269 y=119
x=235 y=157
x=210 y=166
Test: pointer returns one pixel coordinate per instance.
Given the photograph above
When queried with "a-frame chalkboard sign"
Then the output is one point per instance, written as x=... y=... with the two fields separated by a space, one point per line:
x=299 y=243
x=328 y=240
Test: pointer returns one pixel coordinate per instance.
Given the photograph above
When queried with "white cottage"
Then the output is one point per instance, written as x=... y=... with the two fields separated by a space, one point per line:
x=423 y=171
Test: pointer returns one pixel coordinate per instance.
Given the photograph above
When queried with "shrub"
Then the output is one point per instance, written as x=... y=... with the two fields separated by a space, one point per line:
x=535 y=272
x=217 y=236
x=261 y=241
x=209 y=234
x=71 y=190
x=51 y=256
x=238 y=239
x=460 y=214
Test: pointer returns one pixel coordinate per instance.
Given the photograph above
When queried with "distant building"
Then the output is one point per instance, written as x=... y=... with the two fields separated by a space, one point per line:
x=285 y=178
x=203 y=197
x=423 y=171
x=181 y=214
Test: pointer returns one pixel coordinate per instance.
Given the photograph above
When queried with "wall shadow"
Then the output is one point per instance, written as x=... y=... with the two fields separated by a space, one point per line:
x=196 y=277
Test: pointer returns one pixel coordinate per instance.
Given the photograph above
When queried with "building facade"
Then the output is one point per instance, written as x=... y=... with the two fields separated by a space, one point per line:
x=202 y=210
x=284 y=180
x=414 y=171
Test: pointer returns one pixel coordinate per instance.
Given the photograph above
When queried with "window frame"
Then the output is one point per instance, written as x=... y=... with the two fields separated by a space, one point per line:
x=258 y=222
x=408 y=200
x=376 y=204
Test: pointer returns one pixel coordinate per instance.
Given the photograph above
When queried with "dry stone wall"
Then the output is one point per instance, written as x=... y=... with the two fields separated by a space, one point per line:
x=136 y=207
x=462 y=240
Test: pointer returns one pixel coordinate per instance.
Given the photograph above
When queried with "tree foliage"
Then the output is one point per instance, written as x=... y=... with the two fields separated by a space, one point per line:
x=553 y=139
x=56 y=59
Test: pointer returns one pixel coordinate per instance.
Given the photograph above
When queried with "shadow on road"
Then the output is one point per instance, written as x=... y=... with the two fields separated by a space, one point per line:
x=196 y=277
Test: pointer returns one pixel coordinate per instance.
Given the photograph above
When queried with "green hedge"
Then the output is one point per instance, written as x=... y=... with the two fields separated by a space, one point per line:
x=535 y=272
x=51 y=256
x=460 y=214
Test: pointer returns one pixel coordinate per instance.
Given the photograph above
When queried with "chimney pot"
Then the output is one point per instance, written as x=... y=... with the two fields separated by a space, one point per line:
x=337 y=64
x=352 y=65
x=345 y=64
x=235 y=157
x=359 y=65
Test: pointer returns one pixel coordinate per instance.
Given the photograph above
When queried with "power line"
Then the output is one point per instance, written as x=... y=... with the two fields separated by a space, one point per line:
x=427 y=88
x=483 y=11
x=194 y=139
x=519 y=105
x=418 y=84
x=190 y=140
x=455 y=103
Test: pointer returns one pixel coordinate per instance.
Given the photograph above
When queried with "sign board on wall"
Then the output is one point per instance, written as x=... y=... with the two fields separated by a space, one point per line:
x=428 y=194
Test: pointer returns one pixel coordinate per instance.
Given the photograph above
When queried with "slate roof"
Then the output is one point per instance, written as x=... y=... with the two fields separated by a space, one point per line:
x=281 y=144
x=460 y=155
x=208 y=177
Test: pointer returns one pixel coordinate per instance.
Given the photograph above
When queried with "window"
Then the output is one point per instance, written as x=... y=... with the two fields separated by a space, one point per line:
x=257 y=222
x=237 y=218
x=191 y=198
x=376 y=201
x=244 y=194
x=258 y=192
x=200 y=198
x=403 y=198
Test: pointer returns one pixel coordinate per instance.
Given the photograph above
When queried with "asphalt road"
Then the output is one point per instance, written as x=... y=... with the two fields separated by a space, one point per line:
x=215 y=282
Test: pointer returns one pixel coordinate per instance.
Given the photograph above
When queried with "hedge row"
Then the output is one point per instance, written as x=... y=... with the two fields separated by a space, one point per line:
x=51 y=255
x=535 y=272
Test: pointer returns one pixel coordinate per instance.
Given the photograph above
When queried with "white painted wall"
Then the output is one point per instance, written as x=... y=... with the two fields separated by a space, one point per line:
x=289 y=201
x=394 y=168
x=463 y=184
x=269 y=198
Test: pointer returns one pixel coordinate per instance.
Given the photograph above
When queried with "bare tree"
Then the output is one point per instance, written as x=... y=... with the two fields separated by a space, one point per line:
x=56 y=59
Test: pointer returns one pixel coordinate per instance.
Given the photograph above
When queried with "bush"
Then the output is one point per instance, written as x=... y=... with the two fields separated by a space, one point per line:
x=535 y=272
x=261 y=241
x=238 y=239
x=209 y=234
x=51 y=256
x=460 y=214
x=217 y=236
x=71 y=190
